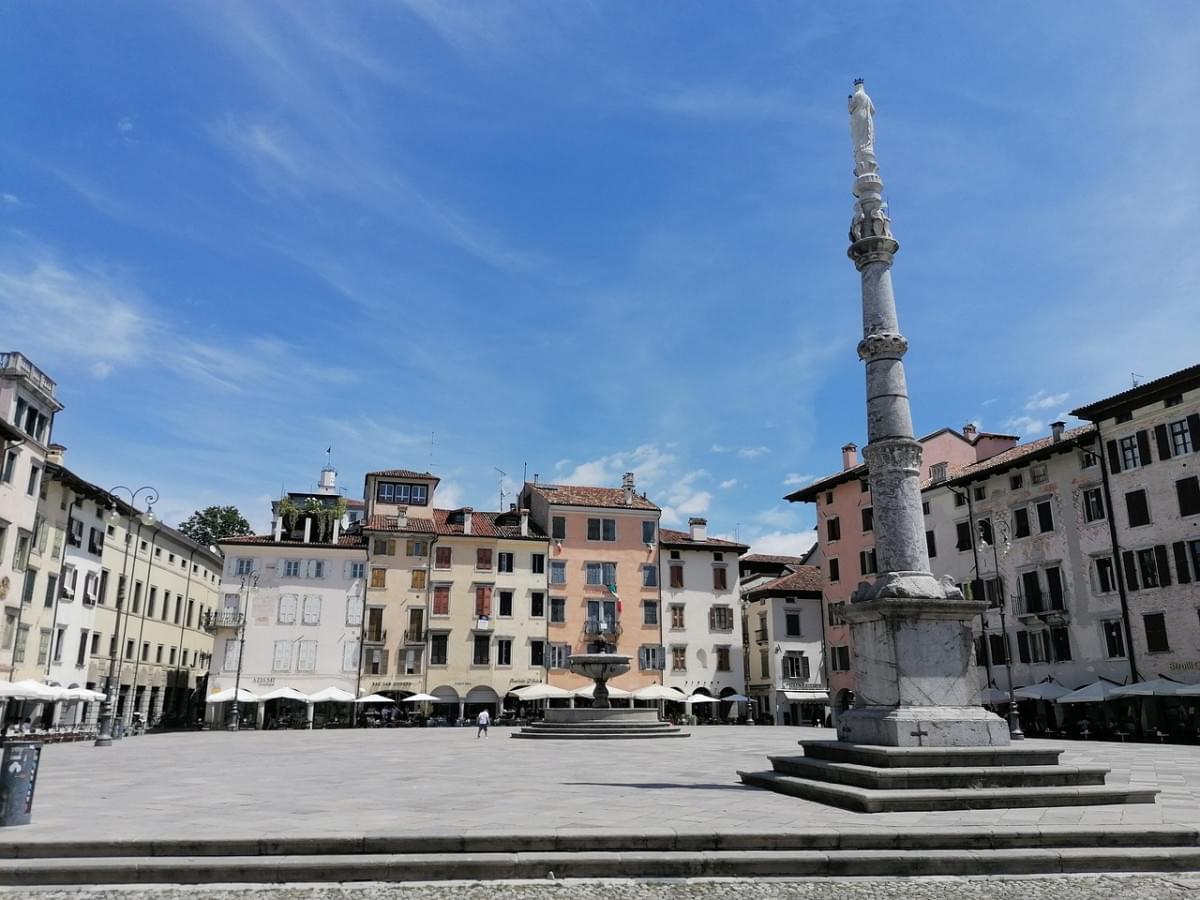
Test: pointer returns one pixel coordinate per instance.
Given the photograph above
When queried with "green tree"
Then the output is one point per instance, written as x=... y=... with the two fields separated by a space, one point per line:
x=207 y=526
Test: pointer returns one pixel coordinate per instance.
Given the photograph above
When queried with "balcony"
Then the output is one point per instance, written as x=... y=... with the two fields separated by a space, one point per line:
x=761 y=636
x=374 y=634
x=416 y=636
x=19 y=364
x=223 y=618
x=602 y=628
x=483 y=623
x=1042 y=606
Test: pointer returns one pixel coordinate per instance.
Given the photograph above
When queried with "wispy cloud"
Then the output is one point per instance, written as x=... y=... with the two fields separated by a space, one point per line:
x=1044 y=400
x=752 y=452
x=794 y=479
x=784 y=543
x=728 y=483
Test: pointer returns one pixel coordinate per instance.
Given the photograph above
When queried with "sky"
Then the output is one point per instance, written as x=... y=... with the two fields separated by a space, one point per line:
x=578 y=238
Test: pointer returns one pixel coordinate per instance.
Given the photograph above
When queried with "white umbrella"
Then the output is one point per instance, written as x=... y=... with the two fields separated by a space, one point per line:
x=991 y=696
x=659 y=692
x=542 y=692
x=374 y=698
x=285 y=693
x=736 y=698
x=420 y=698
x=1043 y=690
x=331 y=694
x=82 y=693
x=1156 y=687
x=703 y=698
x=1096 y=692
x=589 y=692
x=35 y=690
x=243 y=696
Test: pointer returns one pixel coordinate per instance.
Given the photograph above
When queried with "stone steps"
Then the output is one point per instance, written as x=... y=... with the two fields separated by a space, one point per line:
x=872 y=800
x=602 y=730
x=318 y=868
x=934 y=777
x=924 y=757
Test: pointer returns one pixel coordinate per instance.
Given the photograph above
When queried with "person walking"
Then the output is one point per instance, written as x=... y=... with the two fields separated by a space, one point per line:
x=483 y=720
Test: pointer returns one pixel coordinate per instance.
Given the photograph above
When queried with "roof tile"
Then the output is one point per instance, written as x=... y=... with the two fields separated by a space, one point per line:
x=579 y=495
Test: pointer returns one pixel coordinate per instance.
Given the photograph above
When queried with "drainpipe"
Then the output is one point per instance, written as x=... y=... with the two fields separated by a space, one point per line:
x=1116 y=554
x=987 y=645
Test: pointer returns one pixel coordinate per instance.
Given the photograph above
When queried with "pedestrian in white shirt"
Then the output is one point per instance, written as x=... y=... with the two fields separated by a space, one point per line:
x=483 y=720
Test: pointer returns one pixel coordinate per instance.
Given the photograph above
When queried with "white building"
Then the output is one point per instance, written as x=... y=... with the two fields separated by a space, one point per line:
x=701 y=615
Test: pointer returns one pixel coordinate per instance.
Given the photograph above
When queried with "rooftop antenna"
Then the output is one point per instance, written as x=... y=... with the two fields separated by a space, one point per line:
x=1134 y=377
x=503 y=493
x=431 y=451
x=737 y=532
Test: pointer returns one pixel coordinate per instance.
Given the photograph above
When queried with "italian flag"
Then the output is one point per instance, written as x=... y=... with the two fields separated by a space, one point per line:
x=612 y=589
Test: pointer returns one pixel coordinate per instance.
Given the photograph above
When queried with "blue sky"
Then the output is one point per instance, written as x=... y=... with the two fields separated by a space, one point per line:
x=585 y=237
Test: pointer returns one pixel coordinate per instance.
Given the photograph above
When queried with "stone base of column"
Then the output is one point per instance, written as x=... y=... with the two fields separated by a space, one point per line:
x=923 y=726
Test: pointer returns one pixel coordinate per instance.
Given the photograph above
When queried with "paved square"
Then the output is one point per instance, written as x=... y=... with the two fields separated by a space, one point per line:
x=444 y=780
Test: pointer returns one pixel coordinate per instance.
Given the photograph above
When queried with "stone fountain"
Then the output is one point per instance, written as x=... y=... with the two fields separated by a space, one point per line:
x=600 y=721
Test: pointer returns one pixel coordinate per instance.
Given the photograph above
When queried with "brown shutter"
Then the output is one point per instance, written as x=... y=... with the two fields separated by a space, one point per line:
x=1143 y=445
x=1163 y=565
x=1114 y=457
x=1194 y=430
x=1181 y=563
x=1131 y=579
x=1164 y=444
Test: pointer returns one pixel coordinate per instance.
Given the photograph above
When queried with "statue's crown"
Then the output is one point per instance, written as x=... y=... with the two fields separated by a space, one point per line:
x=858 y=81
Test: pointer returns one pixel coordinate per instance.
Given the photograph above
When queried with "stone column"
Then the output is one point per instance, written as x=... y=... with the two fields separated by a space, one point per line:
x=157 y=696
x=911 y=633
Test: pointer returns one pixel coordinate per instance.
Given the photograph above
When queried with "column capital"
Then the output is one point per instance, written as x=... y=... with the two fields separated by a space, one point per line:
x=872 y=249
x=885 y=345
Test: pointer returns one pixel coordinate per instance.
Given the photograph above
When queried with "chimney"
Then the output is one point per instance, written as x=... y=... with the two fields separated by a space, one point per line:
x=337 y=531
x=970 y=432
x=699 y=529
x=468 y=516
x=627 y=485
x=308 y=529
x=328 y=482
x=512 y=507
x=402 y=516
x=1056 y=429
x=55 y=454
x=278 y=527
x=524 y=523
x=849 y=457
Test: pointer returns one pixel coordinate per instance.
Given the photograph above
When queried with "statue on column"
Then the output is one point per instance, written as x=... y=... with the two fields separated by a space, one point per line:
x=862 y=127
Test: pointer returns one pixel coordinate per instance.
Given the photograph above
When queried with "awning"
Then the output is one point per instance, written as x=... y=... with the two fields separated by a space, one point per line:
x=807 y=696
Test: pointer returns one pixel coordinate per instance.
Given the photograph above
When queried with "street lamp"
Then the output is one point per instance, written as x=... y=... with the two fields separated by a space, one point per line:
x=249 y=584
x=105 y=736
x=1014 y=721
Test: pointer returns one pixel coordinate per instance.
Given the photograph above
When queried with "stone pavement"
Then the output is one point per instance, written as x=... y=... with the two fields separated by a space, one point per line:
x=444 y=780
x=1083 y=887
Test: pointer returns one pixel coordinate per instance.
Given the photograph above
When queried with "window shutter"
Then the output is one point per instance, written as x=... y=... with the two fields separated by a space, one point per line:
x=1194 y=430
x=1143 y=445
x=1131 y=580
x=1164 y=445
x=1164 y=567
x=642 y=658
x=1181 y=563
x=1114 y=457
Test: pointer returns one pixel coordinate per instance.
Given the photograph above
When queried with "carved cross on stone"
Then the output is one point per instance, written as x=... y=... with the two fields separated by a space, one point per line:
x=919 y=734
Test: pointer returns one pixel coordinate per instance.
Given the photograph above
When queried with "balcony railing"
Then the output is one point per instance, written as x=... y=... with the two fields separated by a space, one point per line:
x=415 y=635
x=223 y=618
x=761 y=636
x=374 y=634
x=19 y=364
x=1033 y=605
x=602 y=627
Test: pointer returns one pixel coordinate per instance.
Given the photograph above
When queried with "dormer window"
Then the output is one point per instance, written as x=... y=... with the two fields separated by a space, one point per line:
x=937 y=472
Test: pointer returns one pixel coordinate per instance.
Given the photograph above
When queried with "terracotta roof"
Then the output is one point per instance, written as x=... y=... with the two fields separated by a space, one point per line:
x=809 y=493
x=1020 y=453
x=1184 y=379
x=353 y=504
x=404 y=473
x=771 y=558
x=804 y=578
x=577 y=495
x=485 y=524
x=392 y=523
x=684 y=538
x=344 y=542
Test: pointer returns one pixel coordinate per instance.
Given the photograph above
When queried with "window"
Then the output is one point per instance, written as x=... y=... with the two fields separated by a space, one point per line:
x=31 y=487
x=963 y=535
x=1033 y=592
x=833 y=529
x=378 y=577
x=648 y=532
x=1021 y=522
x=10 y=466
x=720 y=578
x=312 y=610
x=868 y=518
x=1156 y=632
x=483 y=559
x=601 y=529
x=959 y=499
x=505 y=606
x=231 y=654
x=985 y=530
x=677 y=615
x=601 y=573
x=649 y=576
x=1106 y=576
x=442 y=557
x=350 y=656
x=839 y=658
x=1173 y=400
x=864 y=485
x=504 y=652
x=287 y=608
x=1060 y=642
x=720 y=618
x=792 y=624
x=829 y=498
x=837 y=613
x=358 y=570
x=980 y=492
x=1181 y=438
x=723 y=659
x=558 y=572
x=650 y=657
x=675 y=554
x=418 y=579
x=1054 y=588
x=281 y=661
x=1130 y=458
x=558 y=655
x=439 y=646
x=1038 y=473
x=931 y=543
x=44 y=647
x=764 y=662
x=482 y=651
x=1137 y=508
x=537 y=653
x=998 y=650
x=1093 y=504
x=676 y=575
x=1114 y=638
x=384 y=547
x=416 y=548
x=441 y=600
x=69 y=575
x=649 y=612
x=835 y=571
x=925 y=507
x=558 y=610
x=504 y=562
x=245 y=567
x=1188 y=490
x=796 y=666
x=679 y=659
x=1045 y=515
x=558 y=528
x=1148 y=567
x=537 y=563
x=867 y=561
x=537 y=605
x=354 y=610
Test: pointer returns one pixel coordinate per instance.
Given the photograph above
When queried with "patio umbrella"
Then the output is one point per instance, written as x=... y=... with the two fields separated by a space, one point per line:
x=659 y=692
x=703 y=698
x=420 y=698
x=243 y=696
x=991 y=696
x=285 y=693
x=35 y=690
x=82 y=693
x=589 y=692
x=736 y=698
x=374 y=698
x=1043 y=690
x=331 y=695
x=1156 y=687
x=542 y=692
x=1096 y=692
